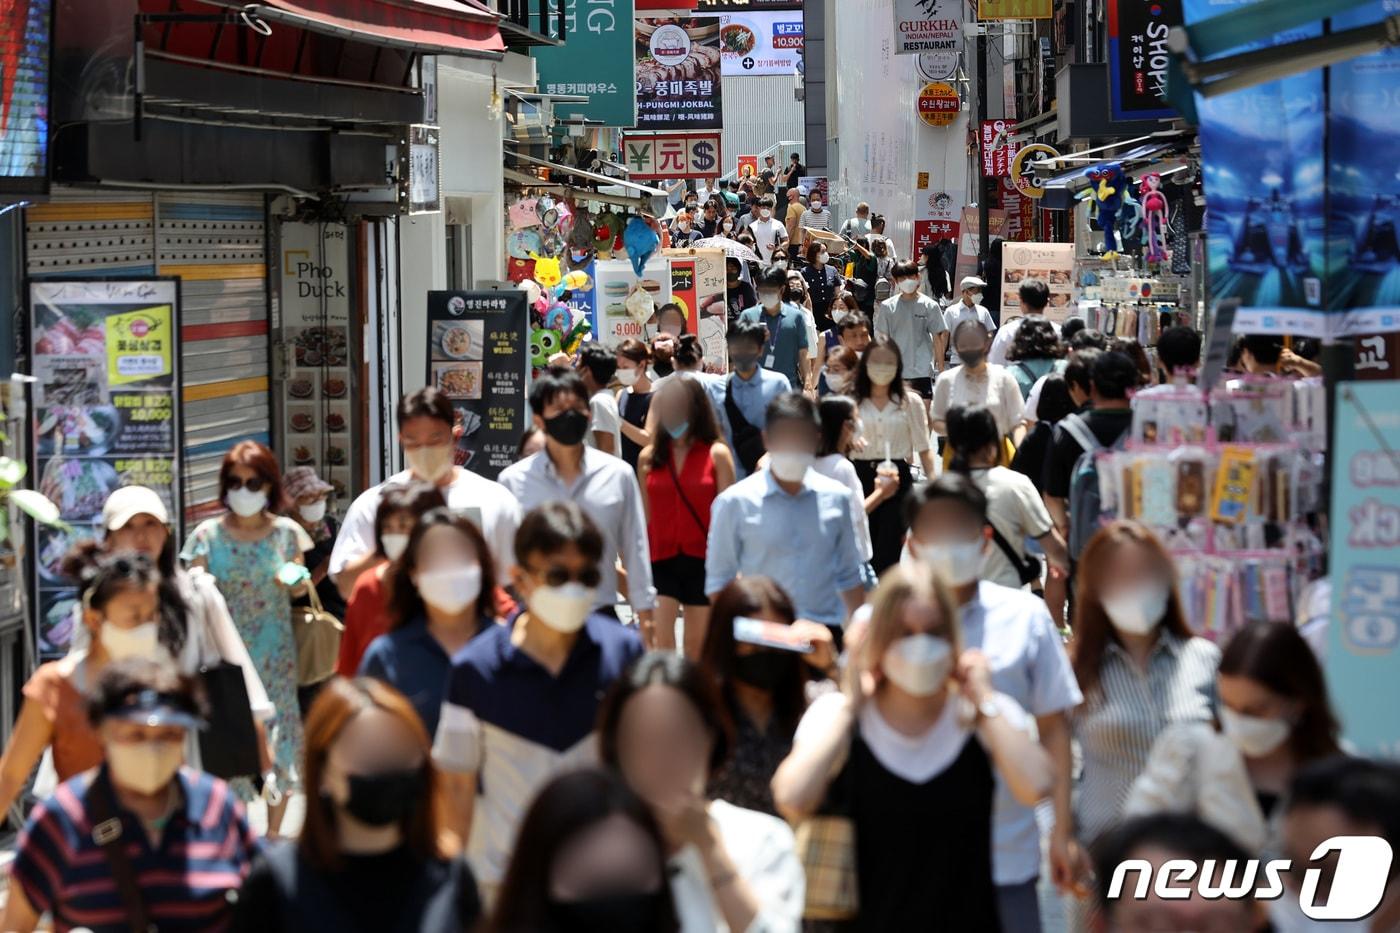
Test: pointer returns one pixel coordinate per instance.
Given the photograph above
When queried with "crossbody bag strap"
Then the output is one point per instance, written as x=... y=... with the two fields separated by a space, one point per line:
x=671 y=466
x=1023 y=566
x=107 y=833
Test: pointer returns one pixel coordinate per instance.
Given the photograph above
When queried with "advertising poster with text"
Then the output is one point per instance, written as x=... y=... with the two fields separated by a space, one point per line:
x=1051 y=263
x=761 y=43
x=678 y=73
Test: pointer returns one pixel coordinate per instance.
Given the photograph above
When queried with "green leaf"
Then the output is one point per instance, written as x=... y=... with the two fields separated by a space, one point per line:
x=36 y=505
x=11 y=471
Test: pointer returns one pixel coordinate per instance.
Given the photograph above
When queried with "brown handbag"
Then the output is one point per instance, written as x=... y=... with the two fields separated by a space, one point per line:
x=317 y=635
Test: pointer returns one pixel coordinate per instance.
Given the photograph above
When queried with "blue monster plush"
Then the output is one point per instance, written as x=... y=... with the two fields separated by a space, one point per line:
x=641 y=242
x=1108 y=185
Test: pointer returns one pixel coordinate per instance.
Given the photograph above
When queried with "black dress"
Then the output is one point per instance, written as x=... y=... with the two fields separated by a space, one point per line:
x=633 y=409
x=923 y=851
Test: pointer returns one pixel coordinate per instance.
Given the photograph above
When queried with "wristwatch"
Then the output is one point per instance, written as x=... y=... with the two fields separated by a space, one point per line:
x=988 y=709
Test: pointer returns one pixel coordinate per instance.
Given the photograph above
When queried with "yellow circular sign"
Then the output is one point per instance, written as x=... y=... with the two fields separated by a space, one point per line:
x=939 y=103
x=1021 y=175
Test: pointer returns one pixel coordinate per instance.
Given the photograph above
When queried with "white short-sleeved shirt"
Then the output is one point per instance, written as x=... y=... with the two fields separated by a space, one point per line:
x=1015 y=508
x=899 y=427
x=955 y=314
x=603 y=418
x=1001 y=343
x=489 y=504
x=843 y=470
x=996 y=389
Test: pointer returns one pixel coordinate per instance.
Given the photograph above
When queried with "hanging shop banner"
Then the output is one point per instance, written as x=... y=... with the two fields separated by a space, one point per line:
x=422 y=194
x=678 y=73
x=761 y=43
x=1015 y=9
x=654 y=155
x=1023 y=175
x=997 y=150
x=820 y=185
x=935 y=218
x=1363 y=641
x=479 y=357
x=106 y=414
x=1262 y=168
x=1020 y=211
x=697 y=281
x=970 y=237
x=1138 y=57
x=1363 y=134
x=24 y=96
x=614 y=282
x=1052 y=263
x=746 y=166
x=315 y=302
x=595 y=60
x=745 y=6
x=927 y=26
x=939 y=103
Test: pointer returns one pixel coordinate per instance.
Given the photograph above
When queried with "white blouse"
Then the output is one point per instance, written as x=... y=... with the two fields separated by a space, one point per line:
x=899 y=427
x=995 y=389
x=840 y=469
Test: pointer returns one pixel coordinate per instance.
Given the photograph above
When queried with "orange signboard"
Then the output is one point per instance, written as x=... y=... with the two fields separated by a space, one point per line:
x=1015 y=9
x=939 y=103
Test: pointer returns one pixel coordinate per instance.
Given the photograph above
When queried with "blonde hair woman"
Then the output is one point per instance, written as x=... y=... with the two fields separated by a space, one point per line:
x=895 y=752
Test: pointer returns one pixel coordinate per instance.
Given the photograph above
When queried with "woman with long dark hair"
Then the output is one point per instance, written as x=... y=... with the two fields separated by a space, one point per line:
x=764 y=688
x=1274 y=719
x=443 y=590
x=841 y=429
x=589 y=858
x=370 y=856
x=634 y=398
x=681 y=473
x=895 y=431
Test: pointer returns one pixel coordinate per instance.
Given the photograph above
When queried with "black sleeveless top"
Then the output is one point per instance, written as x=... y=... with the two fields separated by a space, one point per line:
x=923 y=851
x=634 y=408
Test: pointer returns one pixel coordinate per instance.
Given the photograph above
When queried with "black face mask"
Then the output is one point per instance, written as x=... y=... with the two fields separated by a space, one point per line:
x=972 y=357
x=614 y=913
x=384 y=798
x=743 y=362
x=567 y=427
x=764 y=669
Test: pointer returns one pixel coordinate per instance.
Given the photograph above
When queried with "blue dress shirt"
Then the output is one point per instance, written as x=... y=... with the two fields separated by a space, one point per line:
x=751 y=396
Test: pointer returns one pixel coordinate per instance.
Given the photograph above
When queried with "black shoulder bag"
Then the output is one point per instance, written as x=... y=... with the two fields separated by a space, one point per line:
x=1027 y=568
x=107 y=833
x=748 y=440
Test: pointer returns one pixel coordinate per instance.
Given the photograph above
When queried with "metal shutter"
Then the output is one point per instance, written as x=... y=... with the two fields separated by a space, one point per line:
x=81 y=233
x=216 y=244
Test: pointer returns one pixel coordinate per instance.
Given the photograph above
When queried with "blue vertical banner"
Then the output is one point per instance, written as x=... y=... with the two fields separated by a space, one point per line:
x=1364 y=182
x=1363 y=641
x=1262 y=152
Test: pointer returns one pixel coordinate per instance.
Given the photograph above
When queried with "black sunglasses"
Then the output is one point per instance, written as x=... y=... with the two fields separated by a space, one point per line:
x=558 y=576
x=253 y=485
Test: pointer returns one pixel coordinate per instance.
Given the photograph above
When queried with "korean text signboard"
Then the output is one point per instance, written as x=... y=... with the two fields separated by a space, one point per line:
x=761 y=43
x=1363 y=640
x=935 y=218
x=692 y=155
x=997 y=151
x=1051 y=263
x=744 y=6
x=927 y=26
x=1015 y=9
x=106 y=414
x=697 y=285
x=939 y=103
x=479 y=357
x=678 y=73
x=595 y=60
x=1138 y=57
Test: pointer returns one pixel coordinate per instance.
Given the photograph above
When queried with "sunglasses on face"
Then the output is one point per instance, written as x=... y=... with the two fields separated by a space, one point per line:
x=558 y=576
x=255 y=484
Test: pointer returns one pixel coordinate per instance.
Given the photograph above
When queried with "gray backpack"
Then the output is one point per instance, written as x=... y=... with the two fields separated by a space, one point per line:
x=1085 y=501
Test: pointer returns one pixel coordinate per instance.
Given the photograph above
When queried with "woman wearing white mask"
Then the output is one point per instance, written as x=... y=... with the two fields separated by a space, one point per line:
x=911 y=751
x=442 y=586
x=246 y=550
x=977 y=382
x=895 y=432
x=1138 y=664
x=309 y=498
x=1274 y=719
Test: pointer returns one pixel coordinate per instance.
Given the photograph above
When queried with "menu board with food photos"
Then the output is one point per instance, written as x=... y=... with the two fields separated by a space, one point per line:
x=106 y=357
x=316 y=394
x=479 y=357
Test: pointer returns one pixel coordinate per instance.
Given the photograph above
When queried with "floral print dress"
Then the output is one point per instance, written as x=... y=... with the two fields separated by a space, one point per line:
x=246 y=572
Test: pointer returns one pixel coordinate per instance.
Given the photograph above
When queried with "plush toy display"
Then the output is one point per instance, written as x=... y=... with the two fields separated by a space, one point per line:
x=547 y=271
x=1106 y=189
x=1154 y=208
x=641 y=242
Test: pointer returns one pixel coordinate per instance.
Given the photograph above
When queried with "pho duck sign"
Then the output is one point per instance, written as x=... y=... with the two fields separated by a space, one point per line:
x=939 y=103
x=927 y=26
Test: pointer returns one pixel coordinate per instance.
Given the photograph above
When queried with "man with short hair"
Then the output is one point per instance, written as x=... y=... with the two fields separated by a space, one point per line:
x=788 y=347
x=596 y=366
x=428 y=432
x=1035 y=297
x=789 y=523
x=859 y=225
x=1179 y=352
x=768 y=232
x=796 y=207
x=951 y=530
x=604 y=486
x=1114 y=374
x=742 y=397
x=767 y=176
x=915 y=323
x=969 y=308
x=522 y=699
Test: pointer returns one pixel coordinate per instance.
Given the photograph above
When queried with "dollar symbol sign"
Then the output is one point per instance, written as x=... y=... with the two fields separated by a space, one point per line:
x=702 y=156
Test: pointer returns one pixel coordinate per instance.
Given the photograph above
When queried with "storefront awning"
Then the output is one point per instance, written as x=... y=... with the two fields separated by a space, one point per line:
x=1162 y=156
x=579 y=194
x=642 y=190
x=441 y=27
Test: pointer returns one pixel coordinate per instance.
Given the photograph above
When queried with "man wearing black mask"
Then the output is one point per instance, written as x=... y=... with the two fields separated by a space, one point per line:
x=602 y=485
x=743 y=395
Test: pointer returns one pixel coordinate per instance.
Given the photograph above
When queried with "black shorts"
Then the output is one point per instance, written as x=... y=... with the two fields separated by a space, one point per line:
x=923 y=385
x=682 y=578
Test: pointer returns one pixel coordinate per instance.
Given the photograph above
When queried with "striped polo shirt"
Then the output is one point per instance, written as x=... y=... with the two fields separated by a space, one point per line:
x=509 y=720
x=204 y=854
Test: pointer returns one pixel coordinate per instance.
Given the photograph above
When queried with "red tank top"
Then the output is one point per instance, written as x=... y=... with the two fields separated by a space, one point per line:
x=673 y=528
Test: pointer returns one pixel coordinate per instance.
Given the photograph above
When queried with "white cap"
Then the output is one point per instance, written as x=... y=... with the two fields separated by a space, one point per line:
x=130 y=501
x=972 y=281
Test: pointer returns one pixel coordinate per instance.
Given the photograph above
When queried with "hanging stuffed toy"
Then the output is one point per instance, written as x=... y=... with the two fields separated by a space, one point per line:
x=544 y=343
x=1130 y=223
x=547 y=271
x=1154 y=209
x=575 y=281
x=641 y=242
x=1107 y=183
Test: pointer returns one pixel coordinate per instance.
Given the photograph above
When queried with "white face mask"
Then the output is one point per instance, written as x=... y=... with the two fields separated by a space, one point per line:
x=837 y=382
x=918 y=664
x=816 y=205
x=769 y=299
x=780 y=263
x=1137 y=610
x=122 y=643
x=563 y=608
x=1254 y=736
x=765 y=213
x=958 y=563
x=838 y=316
x=822 y=259
x=908 y=286
x=314 y=512
x=246 y=503
x=972 y=298
x=727 y=225
x=882 y=374
x=451 y=589
x=394 y=545
x=628 y=377
x=790 y=465
x=144 y=767
x=429 y=463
